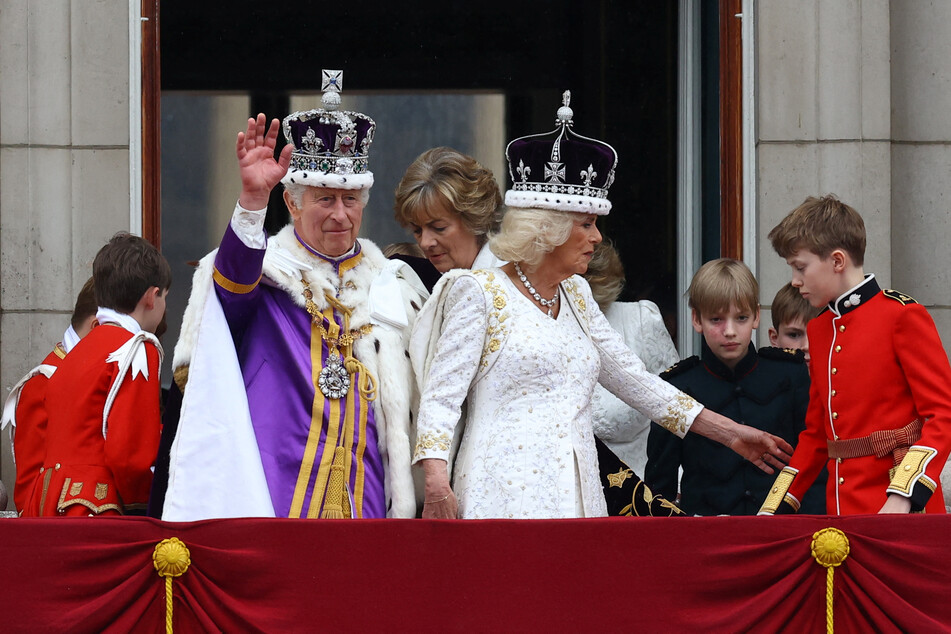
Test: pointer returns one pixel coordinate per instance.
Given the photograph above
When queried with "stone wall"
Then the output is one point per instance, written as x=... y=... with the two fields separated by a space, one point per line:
x=64 y=166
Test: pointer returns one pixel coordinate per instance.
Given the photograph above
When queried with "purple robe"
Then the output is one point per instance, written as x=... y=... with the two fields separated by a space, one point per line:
x=297 y=428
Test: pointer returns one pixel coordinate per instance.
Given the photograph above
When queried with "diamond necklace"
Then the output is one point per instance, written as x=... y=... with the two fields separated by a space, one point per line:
x=547 y=303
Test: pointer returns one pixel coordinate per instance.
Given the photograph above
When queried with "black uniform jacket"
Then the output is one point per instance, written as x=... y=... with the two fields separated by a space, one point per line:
x=769 y=390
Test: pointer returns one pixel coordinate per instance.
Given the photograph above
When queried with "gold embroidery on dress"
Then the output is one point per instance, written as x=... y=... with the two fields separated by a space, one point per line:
x=778 y=491
x=495 y=329
x=76 y=488
x=575 y=295
x=432 y=440
x=617 y=479
x=676 y=418
x=650 y=498
x=912 y=467
x=102 y=490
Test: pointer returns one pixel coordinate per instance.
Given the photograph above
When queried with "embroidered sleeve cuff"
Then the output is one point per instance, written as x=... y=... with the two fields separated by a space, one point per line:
x=681 y=412
x=779 y=501
x=909 y=479
x=432 y=445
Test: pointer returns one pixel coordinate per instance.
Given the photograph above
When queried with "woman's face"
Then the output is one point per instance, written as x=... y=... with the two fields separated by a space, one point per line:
x=445 y=240
x=574 y=255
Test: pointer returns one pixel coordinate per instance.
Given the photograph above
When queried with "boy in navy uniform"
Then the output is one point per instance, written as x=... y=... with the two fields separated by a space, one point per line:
x=880 y=406
x=768 y=390
x=790 y=314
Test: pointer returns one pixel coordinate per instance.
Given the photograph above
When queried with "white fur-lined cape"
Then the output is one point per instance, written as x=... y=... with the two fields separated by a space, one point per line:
x=207 y=483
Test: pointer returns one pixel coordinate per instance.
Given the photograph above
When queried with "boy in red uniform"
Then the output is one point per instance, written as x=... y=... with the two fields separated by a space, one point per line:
x=880 y=402
x=24 y=409
x=103 y=401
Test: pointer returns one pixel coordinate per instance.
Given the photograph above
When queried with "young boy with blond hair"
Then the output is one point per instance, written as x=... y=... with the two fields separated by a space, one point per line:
x=103 y=401
x=767 y=389
x=790 y=314
x=880 y=405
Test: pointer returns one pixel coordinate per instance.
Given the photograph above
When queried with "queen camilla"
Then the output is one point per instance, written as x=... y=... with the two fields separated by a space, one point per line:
x=524 y=346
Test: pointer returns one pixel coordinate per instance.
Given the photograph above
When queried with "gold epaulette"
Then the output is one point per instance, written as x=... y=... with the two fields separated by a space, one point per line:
x=898 y=297
x=680 y=367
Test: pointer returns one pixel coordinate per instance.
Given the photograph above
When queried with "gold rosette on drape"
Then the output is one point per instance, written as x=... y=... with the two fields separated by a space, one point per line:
x=171 y=559
x=830 y=547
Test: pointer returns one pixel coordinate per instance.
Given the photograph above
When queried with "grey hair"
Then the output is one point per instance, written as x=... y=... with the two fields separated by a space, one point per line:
x=527 y=235
x=296 y=192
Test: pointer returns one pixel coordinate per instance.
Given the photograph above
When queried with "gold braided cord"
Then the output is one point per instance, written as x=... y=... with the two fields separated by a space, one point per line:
x=168 y=606
x=171 y=559
x=830 y=547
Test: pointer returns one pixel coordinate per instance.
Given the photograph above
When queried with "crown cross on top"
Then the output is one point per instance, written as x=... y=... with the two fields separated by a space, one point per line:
x=331 y=82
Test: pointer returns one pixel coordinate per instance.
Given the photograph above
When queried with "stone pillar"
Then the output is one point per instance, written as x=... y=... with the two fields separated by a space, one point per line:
x=823 y=121
x=64 y=167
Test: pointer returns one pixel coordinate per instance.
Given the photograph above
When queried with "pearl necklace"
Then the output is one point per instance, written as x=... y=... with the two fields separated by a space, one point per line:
x=547 y=303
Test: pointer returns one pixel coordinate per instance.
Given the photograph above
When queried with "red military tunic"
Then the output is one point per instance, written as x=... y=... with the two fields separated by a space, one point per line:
x=877 y=364
x=29 y=431
x=92 y=468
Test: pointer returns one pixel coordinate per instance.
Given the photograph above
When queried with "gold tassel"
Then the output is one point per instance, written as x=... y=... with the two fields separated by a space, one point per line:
x=337 y=501
x=367 y=382
x=830 y=547
x=171 y=558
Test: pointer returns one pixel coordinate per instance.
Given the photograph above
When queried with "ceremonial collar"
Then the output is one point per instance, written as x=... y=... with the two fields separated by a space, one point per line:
x=855 y=296
x=341 y=263
x=124 y=320
x=70 y=339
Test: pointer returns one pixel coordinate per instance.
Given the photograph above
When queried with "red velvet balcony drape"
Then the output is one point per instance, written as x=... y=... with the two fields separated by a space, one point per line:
x=647 y=574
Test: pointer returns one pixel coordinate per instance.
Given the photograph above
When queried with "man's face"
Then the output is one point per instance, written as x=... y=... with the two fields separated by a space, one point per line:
x=792 y=335
x=328 y=220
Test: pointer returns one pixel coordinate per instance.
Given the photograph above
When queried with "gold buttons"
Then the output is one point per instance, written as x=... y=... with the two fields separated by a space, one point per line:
x=833 y=392
x=775 y=489
x=839 y=460
x=835 y=370
x=57 y=466
x=835 y=415
x=841 y=480
x=838 y=348
x=907 y=467
x=841 y=328
x=42 y=469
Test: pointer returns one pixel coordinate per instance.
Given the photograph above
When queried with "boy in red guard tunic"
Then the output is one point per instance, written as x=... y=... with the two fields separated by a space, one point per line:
x=880 y=403
x=25 y=409
x=103 y=401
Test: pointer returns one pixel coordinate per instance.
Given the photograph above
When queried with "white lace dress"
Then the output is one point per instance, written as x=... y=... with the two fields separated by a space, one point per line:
x=527 y=450
x=621 y=427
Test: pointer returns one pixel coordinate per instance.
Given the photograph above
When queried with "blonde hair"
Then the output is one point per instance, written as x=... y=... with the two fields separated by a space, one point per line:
x=445 y=177
x=527 y=235
x=718 y=284
x=789 y=305
x=821 y=225
x=605 y=274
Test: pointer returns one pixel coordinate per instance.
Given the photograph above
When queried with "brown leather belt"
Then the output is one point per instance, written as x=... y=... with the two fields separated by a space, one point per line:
x=880 y=443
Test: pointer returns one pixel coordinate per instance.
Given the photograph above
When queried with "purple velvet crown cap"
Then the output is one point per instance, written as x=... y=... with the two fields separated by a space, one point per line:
x=561 y=170
x=331 y=147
